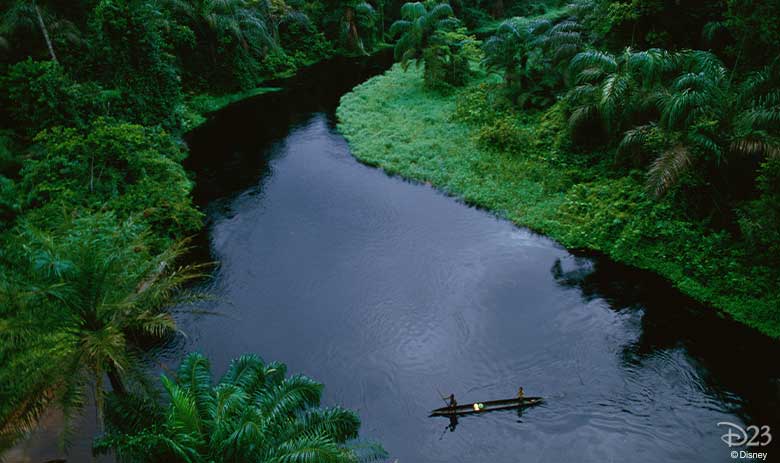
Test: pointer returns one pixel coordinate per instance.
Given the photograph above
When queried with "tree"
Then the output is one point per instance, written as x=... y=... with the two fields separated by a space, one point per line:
x=254 y=413
x=680 y=108
x=128 y=51
x=416 y=27
x=530 y=55
x=447 y=58
x=357 y=25
x=507 y=51
x=430 y=37
x=240 y=21
x=618 y=90
x=30 y=16
x=132 y=169
x=91 y=294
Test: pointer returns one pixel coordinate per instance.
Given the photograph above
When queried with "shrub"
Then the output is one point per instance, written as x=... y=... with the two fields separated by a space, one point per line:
x=759 y=220
x=447 y=59
x=38 y=95
x=129 y=51
x=113 y=165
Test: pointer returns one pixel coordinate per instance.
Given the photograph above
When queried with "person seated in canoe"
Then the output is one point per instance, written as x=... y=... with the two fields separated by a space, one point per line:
x=453 y=403
x=520 y=393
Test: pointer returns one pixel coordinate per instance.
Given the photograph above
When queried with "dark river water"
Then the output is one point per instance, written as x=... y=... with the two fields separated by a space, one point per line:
x=390 y=292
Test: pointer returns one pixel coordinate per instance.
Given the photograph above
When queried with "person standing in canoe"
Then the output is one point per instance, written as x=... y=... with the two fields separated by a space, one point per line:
x=520 y=393
x=453 y=403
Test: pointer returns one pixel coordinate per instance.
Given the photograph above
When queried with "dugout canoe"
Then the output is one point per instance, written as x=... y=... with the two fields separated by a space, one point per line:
x=489 y=406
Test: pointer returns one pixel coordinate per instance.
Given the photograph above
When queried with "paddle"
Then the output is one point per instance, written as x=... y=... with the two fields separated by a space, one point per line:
x=442 y=397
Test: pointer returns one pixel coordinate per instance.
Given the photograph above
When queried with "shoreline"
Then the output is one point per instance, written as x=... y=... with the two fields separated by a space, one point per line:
x=198 y=107
x=392 y=123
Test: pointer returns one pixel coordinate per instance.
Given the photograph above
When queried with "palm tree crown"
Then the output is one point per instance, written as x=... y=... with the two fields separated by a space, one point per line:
x=416 y=28
x=255 y=413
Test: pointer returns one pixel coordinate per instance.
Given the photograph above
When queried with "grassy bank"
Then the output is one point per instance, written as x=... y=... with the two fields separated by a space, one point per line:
x=516 y=166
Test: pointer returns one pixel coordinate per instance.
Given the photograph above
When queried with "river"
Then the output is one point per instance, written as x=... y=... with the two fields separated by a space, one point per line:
x=391 y=293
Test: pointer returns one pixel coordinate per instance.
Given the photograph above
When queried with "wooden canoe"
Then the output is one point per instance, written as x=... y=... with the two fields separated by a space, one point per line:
x=492 y=405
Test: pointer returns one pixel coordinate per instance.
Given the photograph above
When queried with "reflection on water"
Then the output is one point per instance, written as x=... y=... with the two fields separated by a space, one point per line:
x=389 y=292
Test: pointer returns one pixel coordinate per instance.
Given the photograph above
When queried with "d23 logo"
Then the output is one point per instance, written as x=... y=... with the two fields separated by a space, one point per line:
x=752 y=436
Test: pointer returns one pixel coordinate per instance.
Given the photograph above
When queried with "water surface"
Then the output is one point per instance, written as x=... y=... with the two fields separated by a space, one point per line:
x=390 y=293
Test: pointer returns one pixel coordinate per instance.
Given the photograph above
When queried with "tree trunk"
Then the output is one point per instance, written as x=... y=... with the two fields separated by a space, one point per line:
x=45 y=33
x=117 y=385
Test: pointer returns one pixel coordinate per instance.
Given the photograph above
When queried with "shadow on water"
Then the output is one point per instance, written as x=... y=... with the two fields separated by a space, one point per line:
x=736 y=363
x=228 y=154
x=386 y=290
x=232 y=151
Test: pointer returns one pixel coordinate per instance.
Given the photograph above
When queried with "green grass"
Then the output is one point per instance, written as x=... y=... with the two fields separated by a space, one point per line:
x=392 y=122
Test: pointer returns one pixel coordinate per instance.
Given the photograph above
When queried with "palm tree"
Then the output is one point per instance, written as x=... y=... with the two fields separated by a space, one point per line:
x=241 y=20
x=681 y=108
x=254 y=413
x=357 y=25
x=558 y=41
x=619 y=90
x=528 y=53
x=757 y=125
x=416 y=28
x=507 y=51
x=32 y=357
x=30 y=16
x=97 y=295
x=279 y=13
x=695 y=113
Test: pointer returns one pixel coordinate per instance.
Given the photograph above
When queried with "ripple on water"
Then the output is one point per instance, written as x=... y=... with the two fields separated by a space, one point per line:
x=392 y=294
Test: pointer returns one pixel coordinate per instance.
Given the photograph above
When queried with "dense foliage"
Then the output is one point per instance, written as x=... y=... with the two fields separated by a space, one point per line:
x=608 y=130
x=649 y=130
x=78 y=302
x=94 y=201
x=254 y=413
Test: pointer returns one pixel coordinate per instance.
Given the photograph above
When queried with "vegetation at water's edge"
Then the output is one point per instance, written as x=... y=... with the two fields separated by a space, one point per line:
x=95 y=205
x=254 y=413
x=471 y=145
x=200 y=105
x=647 y=130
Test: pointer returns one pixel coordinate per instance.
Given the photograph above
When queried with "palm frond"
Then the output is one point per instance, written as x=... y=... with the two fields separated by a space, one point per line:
x=650 y=65
x=337 y=423
x=399 y=27
x=613 y=93
x=364 y=452
x=247 y=372
x=635 y=139
x=756 y=146
x=310 y=449
x=194 y=375
x=412 y=10
x=292 y=396
x=184 y=417
x=593 y=58
x=540 y=26
x=667 y=169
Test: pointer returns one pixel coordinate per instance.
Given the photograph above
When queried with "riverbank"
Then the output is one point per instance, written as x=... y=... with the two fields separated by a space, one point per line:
x=391 y=122
x=198 y=106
